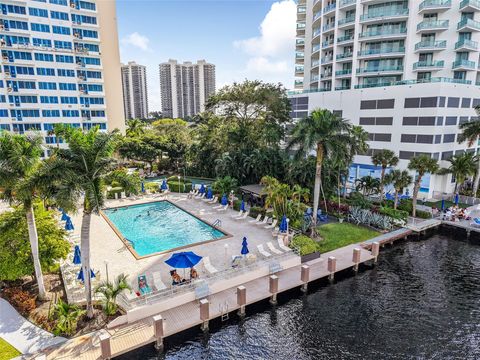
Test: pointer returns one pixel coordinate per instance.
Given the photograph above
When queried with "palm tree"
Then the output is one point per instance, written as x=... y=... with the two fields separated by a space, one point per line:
x=422 y=164
x=471 y=134
x=324 y=132
x=368 y=185
x=461 y=167
x=110 y=291
x=67 y=317
x=19 y=160
x=384 y=158
x=136 y=127
x=399 y=179
x=84 y=165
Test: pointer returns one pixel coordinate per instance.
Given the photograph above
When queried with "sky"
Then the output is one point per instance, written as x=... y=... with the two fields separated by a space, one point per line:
x=245 y=39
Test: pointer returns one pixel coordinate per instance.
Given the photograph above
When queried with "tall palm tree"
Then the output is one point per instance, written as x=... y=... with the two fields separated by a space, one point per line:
x=368 y=185
x=325 y=133
x=422 y=164
x=19 y=160
x=461 y=167
x=84 y=165
x=384 y=158
x=471 y=134
x=399 y=179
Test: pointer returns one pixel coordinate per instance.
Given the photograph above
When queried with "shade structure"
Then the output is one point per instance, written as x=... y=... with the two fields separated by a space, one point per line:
x=245 y=250
x=69 y=225
x=443 y=204
x=209 y=193
x=183 y=260
x=202 y=189
x=242 y=206
x=77 y=258
x=456 y=199
x=283 y=224
x=143 y=187
x=64 y=216
x=224 y=200
x=164 y=185
x=81 y=277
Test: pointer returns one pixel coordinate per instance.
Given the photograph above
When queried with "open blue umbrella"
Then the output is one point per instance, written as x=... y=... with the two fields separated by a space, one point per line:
x=81 y=277
x=183 y=260
x=77 y=259
x=224 y=200
x=164 y=185
x=202 y=189
x=209 y=193
x=443 y=204
x=456 y=199
x=64 y=216
x=143 y=187
x=69 y=225
x=283 y=224
x=242 y=206
x=244 y=247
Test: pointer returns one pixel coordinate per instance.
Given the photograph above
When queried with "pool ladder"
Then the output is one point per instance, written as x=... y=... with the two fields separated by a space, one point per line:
x=223 y=308
x=217 y=223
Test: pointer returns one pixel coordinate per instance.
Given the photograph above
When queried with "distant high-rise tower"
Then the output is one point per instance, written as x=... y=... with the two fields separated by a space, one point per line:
x=185 y=87
x=134 y=83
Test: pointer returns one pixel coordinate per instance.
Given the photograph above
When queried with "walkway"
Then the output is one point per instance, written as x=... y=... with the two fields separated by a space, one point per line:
x=22 y=334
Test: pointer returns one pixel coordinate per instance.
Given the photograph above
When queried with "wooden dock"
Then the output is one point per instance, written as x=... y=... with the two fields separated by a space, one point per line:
x=105 y=344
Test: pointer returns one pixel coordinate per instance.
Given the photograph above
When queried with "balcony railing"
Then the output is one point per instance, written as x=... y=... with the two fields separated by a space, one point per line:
x=343 y=87
x=384 y=13
x=301 y=9
x=470 y=3
x=316 y=31
x=435 y=4
x=428 y=64
x=328 y=26
x=317 y=15
x=327 y=43
x=298 y=83
x=400 y=50
x=344 y=56
x=384 y=32
x=429 y=45
x=327 y=59
x=343 y=72
x=346 y=20
x=346 y=3
x=299 y=69
x=326 y=76
x=344 y=38
x=465 y=64
x=300 y=41
x=468 y=23
x=299 y=55
x=314 y=78
x=466 y=44
x=315 y=63
x=315 y=48
x=380 y=69
x=433 y=25
x=300 y=25
x=329 y=8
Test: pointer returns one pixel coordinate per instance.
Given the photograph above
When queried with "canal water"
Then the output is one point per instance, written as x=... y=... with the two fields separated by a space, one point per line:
x=422 y=301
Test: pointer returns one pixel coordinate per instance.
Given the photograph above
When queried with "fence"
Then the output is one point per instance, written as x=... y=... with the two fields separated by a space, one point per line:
x=469 y=200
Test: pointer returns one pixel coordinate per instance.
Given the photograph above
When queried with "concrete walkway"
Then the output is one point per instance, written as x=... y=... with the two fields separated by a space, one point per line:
x=21 y=333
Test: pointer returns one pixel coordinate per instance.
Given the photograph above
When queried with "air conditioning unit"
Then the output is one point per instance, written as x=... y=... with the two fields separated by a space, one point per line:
x=5 y=57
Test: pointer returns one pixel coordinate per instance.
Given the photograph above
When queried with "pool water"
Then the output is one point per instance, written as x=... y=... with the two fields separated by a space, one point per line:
x=160 y=226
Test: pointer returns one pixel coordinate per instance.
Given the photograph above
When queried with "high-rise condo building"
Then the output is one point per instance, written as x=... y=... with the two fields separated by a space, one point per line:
x=134 y=82
x=185 y=87
x=407 y=71
x=60 y=63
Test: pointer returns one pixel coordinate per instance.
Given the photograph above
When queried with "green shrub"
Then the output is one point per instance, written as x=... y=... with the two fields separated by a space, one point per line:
x=396 y=214
x=236 y=205
x=115 y=190
x=255 y=210
x=152 y=187
x=181 y=187
x=305 y=244
x=405 y=205
x=357 y=199
x=423 y=214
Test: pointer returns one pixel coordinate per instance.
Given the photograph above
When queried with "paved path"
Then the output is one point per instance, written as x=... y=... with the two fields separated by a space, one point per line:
x=21 y=333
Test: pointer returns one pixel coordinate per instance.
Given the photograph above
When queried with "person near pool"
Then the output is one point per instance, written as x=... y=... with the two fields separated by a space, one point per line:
x=193 y=273
x=176 y=279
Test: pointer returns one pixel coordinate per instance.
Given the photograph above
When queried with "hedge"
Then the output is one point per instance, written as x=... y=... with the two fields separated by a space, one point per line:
x=305 y=244
x=181 y=187
x=394 y=213
x=255 y=210
x=152 y=187
x=423 y=214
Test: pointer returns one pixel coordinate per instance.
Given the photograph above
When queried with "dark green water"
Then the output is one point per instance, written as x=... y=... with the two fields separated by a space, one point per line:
x=422 y=301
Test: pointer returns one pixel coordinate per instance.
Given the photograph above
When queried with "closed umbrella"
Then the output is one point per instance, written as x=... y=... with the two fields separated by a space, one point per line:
x=202 y=189
x=164 y=185
x=283 y=224
x=64 y=216
x=209 y=193
x=242 y=206
x=456 y=199
x=81 y=277
x=443 y=204
x=69 y=225
x=245 y=250
x=224 y=200
x=77 y=259
x=143 y=187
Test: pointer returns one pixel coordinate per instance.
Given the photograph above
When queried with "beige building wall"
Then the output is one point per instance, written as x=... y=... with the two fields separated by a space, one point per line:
x=110 y=55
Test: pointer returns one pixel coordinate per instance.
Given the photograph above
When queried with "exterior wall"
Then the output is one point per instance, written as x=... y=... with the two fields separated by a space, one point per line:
x=134 y=83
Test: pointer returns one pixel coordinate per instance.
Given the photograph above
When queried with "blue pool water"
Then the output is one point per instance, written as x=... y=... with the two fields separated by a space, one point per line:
x=160 y=226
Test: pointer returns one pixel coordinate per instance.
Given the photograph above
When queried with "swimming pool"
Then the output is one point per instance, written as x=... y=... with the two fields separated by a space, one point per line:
x=158 y=227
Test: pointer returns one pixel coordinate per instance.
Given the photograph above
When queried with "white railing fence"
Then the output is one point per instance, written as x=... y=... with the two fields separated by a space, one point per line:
x=469 y=200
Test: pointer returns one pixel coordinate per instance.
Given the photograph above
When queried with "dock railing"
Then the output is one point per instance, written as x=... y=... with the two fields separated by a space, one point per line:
x=469 y=200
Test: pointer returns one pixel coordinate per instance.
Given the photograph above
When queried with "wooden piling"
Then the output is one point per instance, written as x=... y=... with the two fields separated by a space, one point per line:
x=375 y=251
x=305 y=277
x=332 y=267
x=273 y=288
x=105 y=347
x=356 y=258
x=158 y=332
x=204 y=313
x=241 y=299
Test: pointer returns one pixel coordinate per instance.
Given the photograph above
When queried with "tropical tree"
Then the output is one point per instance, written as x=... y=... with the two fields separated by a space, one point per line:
x=325 y=133
x=384 y=158
x=461 y=167
x=135 y=128
x=130 y=183
x=368 y=185
x=67 y=317
x=471 y=134
x=422 y=164
x=224 y=185
x=109 y=292
x=19 y=159
x=399 y=179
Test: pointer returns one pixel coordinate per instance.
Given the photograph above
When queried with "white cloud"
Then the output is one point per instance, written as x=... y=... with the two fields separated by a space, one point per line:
x=137 y=40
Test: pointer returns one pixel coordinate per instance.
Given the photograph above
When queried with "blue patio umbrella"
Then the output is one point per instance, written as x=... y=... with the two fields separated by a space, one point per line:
x=82 y=278
x=456 y=199
x=244 y=247
x=202 y=189
x=164 y=185
x=224 y=200
x=143 y=187
x=443 y=204
x=283 y=224
x=209 y=193
x=77 y=259
x=64 y=216
x=183 y=260
x=242 y=206
x=69 y=225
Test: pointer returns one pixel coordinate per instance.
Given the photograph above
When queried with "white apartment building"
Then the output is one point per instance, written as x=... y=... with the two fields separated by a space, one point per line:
x=185 y=87
x=134 y=83
x=56 y=68
x=407 y=71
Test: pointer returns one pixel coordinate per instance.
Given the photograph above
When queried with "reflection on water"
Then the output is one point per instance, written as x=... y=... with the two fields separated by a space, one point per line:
x=422 y=301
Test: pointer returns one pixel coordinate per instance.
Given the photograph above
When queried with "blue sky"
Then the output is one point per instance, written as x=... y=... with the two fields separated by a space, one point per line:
x=251 y=39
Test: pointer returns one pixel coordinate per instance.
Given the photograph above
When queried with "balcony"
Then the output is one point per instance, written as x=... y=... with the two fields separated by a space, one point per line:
x=344 y=56
x=315 y=48
x=325 y=76
x=301 y=9
x=466 y=45
x=314 y=78
x=299 y=55
x=343 y=87
x=383 y=52
x=344 y=39
x=298 y=84
x=315 y=63
x=430 y=45
x=428 y=65
x=329 y=8
x=328 y=27
x=380 y=69
x=299 y=70
x=432 y=25
x=327 y=44
x=316 y=31
x=434 y=6
x=470 y=5
x=464 y=65
x=468 y=24
x=347 y=4
x=317 y=16
x=301 y=25
x=300 y=43
x=327 y=59
x=346 y=21
x=343 y=72
x=385 y=33
x=384 y=14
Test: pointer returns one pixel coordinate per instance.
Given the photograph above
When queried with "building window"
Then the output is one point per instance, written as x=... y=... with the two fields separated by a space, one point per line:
x=453 y=102
x=451 y=120
x=449 y=138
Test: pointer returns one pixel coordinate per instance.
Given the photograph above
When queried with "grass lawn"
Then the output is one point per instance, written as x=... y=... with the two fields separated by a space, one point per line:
x=438 y=204
x=336 y=235
x=7 y=351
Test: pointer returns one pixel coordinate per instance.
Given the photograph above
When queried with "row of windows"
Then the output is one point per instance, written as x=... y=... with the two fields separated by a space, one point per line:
x=13 y=9
x=42 y=85
x=49 y=113
x=427 y=139
x=380 y=137
x=377 y=104
x=37 y=12
x=14 y=24
x=440 y=101
x=84 y=19
x=376 y=120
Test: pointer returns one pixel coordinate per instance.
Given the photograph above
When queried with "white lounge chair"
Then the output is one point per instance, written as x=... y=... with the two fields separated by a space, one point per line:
x=208 y=266
x=200 y=197
x=263 y=222
x=223 y=208
x=273 y=249
x=240 y=213
x=192 y=193
x=157 y=281
x=272 y=225
x=281 y=244
x=213 y=201
x=262 y=251
x=255 y=220
x=276 y=231
x=244 y=216
x=219 y=206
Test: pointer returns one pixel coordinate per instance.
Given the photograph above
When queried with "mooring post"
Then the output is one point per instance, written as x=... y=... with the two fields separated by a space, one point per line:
x=273 y=288
x=305 y=277
x=375 y=251
x=468 y=234
x=241 y=299
x=332 y=267
x=105 y=347
x=356 y=258
x=204 y=313
x=158 y=332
